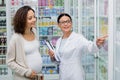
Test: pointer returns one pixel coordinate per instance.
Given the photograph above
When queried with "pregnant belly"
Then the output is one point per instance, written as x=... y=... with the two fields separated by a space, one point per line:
x=35 y=62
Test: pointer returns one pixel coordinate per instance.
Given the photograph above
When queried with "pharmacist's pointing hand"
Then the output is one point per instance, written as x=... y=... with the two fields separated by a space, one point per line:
x=100 y=41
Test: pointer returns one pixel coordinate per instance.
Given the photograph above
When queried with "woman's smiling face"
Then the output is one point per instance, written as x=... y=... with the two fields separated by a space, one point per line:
x=31 y=19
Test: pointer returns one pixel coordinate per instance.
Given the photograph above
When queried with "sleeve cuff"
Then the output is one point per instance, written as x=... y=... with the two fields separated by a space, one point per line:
x=28 y=73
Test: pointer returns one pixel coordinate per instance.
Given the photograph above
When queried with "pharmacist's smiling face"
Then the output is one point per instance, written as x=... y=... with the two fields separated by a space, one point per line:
x=65 y=24
x=31 y=19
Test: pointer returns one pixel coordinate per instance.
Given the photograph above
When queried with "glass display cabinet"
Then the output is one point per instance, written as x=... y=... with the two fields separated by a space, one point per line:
x=114 y=40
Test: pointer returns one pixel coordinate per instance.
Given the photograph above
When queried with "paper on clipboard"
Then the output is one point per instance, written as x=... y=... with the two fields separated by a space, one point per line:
x=49 y=45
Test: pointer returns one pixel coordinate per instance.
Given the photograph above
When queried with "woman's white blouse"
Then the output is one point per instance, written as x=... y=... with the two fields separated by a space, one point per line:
x=33 y=56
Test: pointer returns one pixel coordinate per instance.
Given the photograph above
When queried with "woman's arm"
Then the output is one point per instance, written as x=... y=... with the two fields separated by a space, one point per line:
x=11 y=60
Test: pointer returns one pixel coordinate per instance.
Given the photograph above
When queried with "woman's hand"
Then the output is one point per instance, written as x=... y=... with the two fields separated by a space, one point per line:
x=100 y=41
x=33 y=74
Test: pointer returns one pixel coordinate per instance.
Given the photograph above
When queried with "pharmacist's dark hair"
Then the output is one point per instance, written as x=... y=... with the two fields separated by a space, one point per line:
x=63 y=14
x=20 y=18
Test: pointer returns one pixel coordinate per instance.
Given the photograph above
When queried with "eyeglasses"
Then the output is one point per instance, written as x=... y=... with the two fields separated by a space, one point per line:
x=63 y=22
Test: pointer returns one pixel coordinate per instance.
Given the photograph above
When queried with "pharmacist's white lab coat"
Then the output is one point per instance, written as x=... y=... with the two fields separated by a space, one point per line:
x=70 y=64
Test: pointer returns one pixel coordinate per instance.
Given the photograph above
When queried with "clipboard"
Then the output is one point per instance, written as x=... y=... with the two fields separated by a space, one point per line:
x=49 y=45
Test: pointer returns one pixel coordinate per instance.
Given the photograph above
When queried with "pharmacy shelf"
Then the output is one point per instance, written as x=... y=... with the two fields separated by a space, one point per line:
x=51 y=76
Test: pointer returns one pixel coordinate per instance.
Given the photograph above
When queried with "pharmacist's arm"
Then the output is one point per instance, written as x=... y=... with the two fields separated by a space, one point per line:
x=52 y=55
x=93 y=47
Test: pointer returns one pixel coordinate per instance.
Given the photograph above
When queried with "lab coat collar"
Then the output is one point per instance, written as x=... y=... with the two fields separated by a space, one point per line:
x=69 y=38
